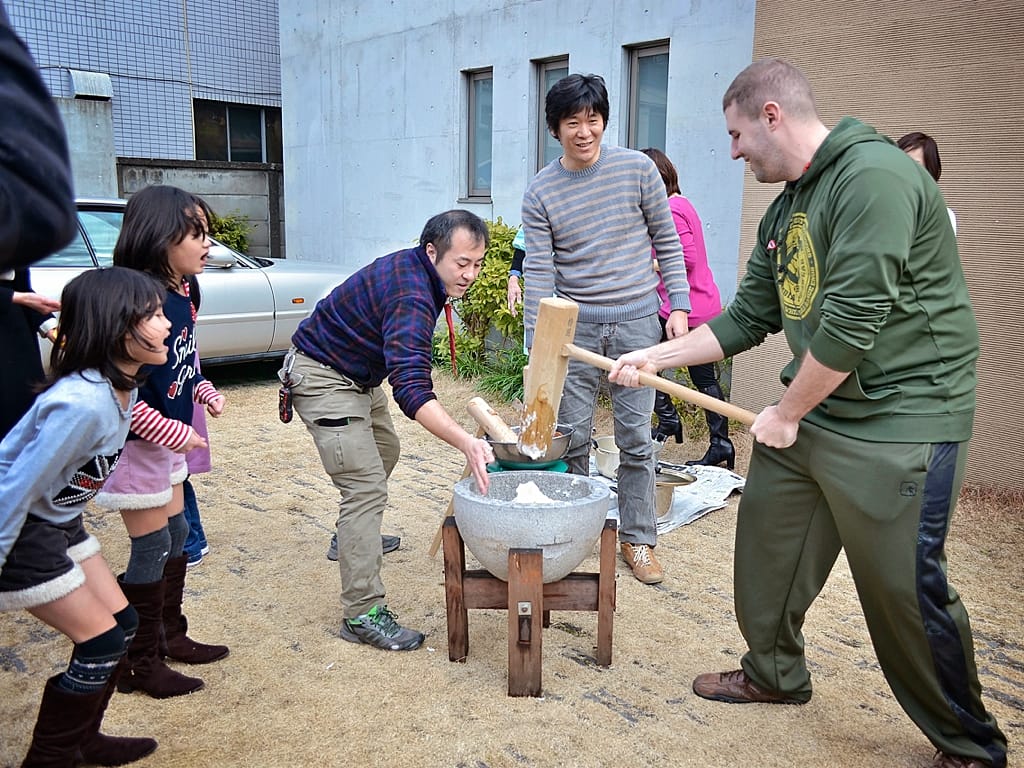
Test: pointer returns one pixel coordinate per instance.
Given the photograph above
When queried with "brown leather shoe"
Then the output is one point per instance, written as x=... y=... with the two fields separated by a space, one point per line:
x=736 y=688
x=645 y=565
x=942 y=760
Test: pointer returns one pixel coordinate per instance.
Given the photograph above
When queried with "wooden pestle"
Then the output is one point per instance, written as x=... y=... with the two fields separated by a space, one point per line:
x=490 y=421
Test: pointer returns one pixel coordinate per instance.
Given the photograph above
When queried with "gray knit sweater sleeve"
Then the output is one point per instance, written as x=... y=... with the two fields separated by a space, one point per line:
x=589 y=236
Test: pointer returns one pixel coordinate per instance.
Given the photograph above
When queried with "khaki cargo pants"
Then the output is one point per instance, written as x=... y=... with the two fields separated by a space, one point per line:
x=353 y=432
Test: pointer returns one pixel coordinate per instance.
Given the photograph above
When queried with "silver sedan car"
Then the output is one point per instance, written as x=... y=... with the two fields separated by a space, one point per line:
x=250 y=306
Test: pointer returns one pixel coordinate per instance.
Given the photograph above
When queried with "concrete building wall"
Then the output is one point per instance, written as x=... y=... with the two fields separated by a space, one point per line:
x=252 y=192
x=159 y=55
x=90 y=128
x=375 y=109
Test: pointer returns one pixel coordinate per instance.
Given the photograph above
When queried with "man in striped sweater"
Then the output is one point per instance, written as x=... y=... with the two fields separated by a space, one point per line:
x=591 y=218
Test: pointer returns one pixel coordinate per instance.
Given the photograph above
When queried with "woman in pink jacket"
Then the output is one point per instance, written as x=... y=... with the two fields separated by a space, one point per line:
x=705 y=303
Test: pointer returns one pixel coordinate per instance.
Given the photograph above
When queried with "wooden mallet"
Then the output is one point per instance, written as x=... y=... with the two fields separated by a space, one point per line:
x=549 y=362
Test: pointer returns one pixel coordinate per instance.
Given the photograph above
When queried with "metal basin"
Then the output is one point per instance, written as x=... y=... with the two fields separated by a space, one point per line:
x=565 y=528
x=665 y=483
x=510 y=453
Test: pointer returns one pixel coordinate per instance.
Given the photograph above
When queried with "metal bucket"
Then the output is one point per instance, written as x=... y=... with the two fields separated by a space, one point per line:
x=607 y=455
x=564 y=528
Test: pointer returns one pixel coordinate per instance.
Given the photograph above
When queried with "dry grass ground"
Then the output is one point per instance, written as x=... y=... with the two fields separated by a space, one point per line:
x=292 y=693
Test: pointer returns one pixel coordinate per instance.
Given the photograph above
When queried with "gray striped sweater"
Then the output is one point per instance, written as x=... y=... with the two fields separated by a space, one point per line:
x=589 y=236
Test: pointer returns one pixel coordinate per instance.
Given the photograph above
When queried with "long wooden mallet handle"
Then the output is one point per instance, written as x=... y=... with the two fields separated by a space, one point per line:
x=664 y=385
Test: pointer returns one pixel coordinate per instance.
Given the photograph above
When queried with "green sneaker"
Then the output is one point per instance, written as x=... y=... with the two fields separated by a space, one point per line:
x=379 y=627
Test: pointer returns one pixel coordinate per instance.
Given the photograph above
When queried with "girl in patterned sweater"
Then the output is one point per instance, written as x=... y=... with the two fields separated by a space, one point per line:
x=51 y=463
x=165 y=234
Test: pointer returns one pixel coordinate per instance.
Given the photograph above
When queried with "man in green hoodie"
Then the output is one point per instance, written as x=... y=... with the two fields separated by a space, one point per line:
x=857 y=264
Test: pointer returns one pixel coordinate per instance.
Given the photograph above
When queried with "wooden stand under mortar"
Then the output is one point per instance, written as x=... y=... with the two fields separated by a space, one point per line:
x=529 y=602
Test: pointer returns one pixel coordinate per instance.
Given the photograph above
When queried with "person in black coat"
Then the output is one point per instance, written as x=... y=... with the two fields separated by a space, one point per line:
x=36 y=192
x=22 y=315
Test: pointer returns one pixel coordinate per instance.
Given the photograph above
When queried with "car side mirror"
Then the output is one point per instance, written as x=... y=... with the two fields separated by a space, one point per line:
x=220 y=257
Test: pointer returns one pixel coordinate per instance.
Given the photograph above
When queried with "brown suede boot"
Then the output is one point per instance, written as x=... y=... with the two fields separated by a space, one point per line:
x=64 y=718
x=99 y=749
x=175 y=643
x=143 y=668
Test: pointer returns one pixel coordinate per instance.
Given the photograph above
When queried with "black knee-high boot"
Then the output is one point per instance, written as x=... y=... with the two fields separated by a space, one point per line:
x=143 y=669
x=669 y=424
x=720 y=450
x=175 y=643
x=99 y=749
x=64 y=719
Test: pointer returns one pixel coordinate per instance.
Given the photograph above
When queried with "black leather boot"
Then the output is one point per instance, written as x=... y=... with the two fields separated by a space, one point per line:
x=668 y=419
x=721 y=449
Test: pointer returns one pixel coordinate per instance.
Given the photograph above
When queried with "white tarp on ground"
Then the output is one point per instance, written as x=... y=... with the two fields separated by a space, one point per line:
x=690 y=502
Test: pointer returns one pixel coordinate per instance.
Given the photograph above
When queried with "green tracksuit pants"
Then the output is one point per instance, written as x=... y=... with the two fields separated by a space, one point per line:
x=888 y=505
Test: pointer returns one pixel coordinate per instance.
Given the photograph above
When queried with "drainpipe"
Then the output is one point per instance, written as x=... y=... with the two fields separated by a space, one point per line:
x=188 y=68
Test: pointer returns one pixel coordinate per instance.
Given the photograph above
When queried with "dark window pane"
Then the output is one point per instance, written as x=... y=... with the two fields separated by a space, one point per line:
x=551 y=145
x=246 y=134
x=480 y=131
x=652 y=101
x=211 y=130
x=274 y=152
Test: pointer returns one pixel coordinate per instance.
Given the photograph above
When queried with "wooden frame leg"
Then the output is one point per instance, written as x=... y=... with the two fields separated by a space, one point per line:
x=525 y=616
x=454 y=591
x=606 y=594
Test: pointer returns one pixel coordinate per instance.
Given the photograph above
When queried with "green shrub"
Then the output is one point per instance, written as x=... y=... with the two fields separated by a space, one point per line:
x=232 y=230
x=504 y=377
x=485 y=305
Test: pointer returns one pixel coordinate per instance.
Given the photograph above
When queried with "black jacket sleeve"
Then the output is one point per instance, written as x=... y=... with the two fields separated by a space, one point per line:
x=37 y=203
x=518 y=256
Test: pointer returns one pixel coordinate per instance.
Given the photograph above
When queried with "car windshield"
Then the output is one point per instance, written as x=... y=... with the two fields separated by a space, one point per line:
x=102 y=227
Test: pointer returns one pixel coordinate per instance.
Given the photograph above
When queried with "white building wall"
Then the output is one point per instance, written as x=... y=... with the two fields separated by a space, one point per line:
x=375 y=104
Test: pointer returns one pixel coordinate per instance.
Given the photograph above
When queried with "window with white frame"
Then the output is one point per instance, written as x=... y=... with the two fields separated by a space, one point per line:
x=549 y=72
x=481 y=111
x=238 y=133
x=648 y=96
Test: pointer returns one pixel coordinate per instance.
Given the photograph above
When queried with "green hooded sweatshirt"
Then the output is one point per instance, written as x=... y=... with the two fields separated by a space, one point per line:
x=857 y=262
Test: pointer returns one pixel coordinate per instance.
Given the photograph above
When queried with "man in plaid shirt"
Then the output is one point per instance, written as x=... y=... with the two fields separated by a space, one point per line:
x=379 y=324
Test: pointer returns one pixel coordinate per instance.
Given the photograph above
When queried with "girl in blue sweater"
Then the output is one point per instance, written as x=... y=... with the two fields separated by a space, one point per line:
x=164 y=234
x=51 y=463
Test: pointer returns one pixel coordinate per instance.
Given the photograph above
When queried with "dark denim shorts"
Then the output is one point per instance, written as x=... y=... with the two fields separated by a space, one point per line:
x=43 y=565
